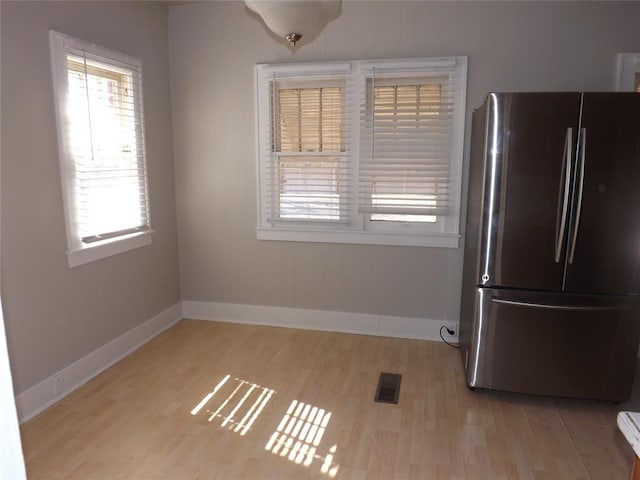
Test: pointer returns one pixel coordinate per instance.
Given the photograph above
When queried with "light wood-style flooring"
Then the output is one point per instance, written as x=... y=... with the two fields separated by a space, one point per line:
x=299 y=404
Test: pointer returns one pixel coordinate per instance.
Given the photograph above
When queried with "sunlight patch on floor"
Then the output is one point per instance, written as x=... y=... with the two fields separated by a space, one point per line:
x=299 y=434
x=247 y=400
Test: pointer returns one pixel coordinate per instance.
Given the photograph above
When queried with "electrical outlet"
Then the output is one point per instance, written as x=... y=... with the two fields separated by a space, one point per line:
x=57 y=383
x=451 y=326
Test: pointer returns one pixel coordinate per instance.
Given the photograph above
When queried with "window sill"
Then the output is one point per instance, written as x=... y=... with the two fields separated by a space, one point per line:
x=108 y=248
x=423 y=239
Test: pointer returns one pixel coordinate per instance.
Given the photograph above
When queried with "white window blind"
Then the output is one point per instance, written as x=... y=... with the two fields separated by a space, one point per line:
x=406 y=145
x=102 y=150
x=361 y=152
x=106 y=143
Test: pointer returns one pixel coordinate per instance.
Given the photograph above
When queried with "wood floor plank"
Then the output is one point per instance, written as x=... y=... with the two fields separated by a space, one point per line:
x=213 y=400
x=601 y=449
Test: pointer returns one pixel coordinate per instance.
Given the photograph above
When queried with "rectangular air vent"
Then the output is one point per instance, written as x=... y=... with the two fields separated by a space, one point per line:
x=388 y=390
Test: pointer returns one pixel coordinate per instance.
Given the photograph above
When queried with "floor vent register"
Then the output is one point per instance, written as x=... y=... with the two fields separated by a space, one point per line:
x=388 y=390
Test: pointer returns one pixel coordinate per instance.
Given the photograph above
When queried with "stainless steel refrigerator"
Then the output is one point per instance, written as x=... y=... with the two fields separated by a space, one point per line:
x=552 y=251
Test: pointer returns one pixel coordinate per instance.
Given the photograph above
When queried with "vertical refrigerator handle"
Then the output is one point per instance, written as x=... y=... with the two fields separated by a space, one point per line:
x=580 y=188
x=563 y=195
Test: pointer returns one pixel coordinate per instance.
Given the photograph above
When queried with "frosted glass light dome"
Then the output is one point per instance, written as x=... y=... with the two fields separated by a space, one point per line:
x=294 y=19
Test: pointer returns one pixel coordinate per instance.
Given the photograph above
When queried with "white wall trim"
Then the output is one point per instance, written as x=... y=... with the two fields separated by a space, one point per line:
x=362 y=237
x=41 y=396
x=323 y=320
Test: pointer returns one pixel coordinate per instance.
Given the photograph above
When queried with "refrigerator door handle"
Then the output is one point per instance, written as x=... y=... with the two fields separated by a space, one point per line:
x=573 y=308
x=576 y=224
x=563 y=195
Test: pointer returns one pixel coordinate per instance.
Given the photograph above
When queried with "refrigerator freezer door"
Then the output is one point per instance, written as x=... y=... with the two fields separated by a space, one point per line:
x=527 y=182
x=604 y=241
x=554 y=344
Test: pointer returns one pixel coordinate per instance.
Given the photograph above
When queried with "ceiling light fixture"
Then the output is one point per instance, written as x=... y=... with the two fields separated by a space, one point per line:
x=295 y=19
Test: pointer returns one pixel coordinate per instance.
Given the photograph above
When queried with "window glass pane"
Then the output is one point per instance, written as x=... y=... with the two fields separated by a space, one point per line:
x=308 y=188
x=332 y=120
x=310 y=109
x=638 y=82
x=311 y=119
x=289 y=110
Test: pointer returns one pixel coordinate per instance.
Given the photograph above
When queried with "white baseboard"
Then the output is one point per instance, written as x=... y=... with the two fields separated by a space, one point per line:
x=39 y=397
x=324 y=320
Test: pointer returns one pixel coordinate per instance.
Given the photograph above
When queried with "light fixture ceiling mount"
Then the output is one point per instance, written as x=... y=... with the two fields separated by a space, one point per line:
x=293 y=38
x=295 y=19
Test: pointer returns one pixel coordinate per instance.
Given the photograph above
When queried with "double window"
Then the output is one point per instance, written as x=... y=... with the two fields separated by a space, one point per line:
x=101 y=144
x=362 y=151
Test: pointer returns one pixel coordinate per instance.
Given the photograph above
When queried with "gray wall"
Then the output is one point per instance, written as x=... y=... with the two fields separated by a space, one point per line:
x=56 y=315
x=512 y=46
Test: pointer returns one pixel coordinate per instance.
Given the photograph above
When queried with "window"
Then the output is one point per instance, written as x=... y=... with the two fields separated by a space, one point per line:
x=101 y=146
x=309 y=151
x=362 y=151
x=628 y=78
x=404 y=172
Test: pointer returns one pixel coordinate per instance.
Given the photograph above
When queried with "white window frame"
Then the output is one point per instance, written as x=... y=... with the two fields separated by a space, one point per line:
x=628 y=69
x=79 y=252
x=360 y=230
